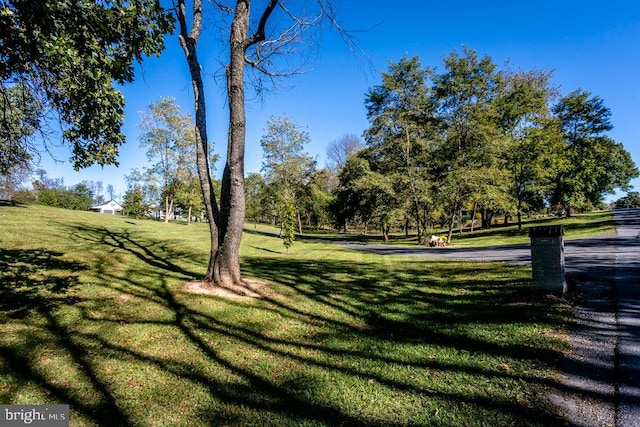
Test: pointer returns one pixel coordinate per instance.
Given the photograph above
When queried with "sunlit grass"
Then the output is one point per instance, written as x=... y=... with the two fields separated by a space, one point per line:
x=93 y=315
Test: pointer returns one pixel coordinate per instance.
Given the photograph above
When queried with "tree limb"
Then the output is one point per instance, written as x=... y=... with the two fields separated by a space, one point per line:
x=260 y=33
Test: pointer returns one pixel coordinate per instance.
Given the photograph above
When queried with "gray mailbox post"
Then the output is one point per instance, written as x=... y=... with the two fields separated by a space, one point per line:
x=547 y=258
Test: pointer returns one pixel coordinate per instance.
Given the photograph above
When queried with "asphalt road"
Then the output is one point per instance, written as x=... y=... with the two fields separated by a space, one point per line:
x=602 y=377
x=627 y=288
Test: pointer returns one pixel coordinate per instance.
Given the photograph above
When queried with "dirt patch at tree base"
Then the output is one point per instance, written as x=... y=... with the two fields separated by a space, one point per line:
x=250 y=288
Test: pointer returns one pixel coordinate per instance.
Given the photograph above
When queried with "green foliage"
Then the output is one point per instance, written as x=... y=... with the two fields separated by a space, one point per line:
x=24 y=197
x=78 y=197
x=20 y=120
x=477 y=138
x=401 y=142
x=71 y=54
x=288 y=169
x=170 y=140
x=631 y=200
x=133 y=204
x=256 y=197
x=533 y=138
x=594 y=164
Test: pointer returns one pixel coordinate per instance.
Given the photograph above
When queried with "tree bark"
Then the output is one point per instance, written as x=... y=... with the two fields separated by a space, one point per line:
x=232 y=203
x=385 y=232
x=166 y=209
x=189 y=41
x=226 y=222
x=473 y=216
x=452 y=222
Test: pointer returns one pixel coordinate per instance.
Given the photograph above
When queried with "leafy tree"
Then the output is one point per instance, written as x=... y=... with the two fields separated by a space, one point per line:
x=54 y=193
x=71 y=54
x=146 y=181
x=466 y=94
x=533 y=140
x=288 y=168
x=593 y=164
x=189 y=197
x=134 y=204
x=365 y=195
x=170 y=142
x=317 y=197
x=20 y=121
x=79 y=197
x=255 y=189
x=401 y=137
x=349 y=201
x=630 y=201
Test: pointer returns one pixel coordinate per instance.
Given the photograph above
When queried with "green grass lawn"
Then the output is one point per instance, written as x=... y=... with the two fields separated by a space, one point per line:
x=92 y=314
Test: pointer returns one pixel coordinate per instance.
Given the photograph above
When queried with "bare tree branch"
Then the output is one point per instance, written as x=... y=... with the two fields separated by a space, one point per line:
x=260 y=33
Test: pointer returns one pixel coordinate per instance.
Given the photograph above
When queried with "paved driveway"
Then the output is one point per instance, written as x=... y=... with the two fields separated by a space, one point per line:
x=582 y=256
x=627 y=289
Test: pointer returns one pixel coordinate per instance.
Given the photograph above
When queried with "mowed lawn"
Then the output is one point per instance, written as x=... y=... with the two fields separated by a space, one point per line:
x=93 y=314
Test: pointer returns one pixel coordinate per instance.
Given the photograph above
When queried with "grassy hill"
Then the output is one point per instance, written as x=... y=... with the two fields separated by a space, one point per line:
x=93 y=313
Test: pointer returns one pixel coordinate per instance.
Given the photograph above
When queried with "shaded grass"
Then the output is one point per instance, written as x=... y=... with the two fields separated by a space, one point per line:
x=93 y=315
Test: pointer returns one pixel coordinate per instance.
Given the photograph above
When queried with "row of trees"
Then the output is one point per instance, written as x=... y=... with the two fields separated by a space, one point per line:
x=471 y=139
x=450 y=139
x=53 y=192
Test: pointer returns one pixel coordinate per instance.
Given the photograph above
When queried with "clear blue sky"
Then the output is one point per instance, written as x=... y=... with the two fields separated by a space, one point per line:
x=591 y=45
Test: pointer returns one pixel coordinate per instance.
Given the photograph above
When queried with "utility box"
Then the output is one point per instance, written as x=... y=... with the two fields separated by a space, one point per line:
x=547 y=258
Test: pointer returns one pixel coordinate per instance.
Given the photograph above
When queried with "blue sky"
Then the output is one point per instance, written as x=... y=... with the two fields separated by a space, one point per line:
x=591 y=45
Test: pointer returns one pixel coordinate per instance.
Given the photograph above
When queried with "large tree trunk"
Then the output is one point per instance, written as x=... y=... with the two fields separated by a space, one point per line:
x=226 y=222
x=232 y=203
x=189 y=41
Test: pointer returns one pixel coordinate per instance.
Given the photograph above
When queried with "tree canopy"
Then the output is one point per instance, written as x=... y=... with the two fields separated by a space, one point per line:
x=69 y=55
x=476 y=139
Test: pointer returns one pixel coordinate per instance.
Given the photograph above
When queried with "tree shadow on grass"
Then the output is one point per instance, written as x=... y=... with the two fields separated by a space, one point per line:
x=419 y=311
x=337 y=303
x=33 y=284
x=35 y=279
